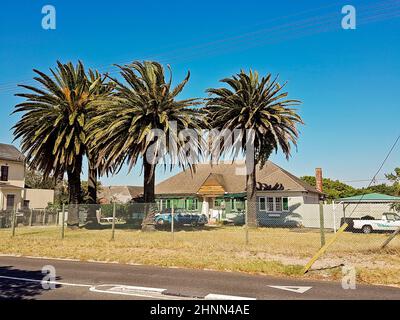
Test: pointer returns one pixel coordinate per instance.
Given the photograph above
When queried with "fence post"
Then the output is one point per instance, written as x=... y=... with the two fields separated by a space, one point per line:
x=321 y=223
x=334 y=216
x=172 y=222
x=390 y=238
x=62 y=220
x=13 y=220
x=30 y=217
x=246 y=227
x=44 y=217
x=113 y=224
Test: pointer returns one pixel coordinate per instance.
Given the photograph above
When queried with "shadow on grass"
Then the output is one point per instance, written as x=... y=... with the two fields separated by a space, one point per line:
x=19 y=284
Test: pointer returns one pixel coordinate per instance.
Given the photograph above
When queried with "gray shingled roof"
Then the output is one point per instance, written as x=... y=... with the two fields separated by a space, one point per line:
x=9 y=152
x=270 y=177
x=121 y=194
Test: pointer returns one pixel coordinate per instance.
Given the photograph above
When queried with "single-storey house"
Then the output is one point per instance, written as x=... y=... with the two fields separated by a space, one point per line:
x=13 y=193
x=219 y=191
x=119 y=194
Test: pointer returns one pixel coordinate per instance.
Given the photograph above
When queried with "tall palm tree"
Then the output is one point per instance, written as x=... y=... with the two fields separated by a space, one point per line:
x=52 y=127
x=123 y=128
x=102 y=90
x=260 y=106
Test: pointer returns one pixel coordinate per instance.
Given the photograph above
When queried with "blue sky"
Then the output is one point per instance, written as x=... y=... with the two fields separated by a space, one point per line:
x=348 y=80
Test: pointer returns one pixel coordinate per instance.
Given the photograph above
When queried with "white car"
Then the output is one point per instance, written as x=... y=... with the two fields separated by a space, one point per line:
x=389 y=222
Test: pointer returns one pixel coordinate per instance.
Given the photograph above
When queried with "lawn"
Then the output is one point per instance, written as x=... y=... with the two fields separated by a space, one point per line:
x=271 y=251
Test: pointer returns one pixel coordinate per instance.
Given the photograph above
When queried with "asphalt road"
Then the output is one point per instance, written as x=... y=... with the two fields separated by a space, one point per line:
x=21 y=278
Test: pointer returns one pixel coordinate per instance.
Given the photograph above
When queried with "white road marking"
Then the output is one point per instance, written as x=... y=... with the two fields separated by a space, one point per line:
x=52 y=282
x=213 y=296
x=297 y=289
x=143 y=292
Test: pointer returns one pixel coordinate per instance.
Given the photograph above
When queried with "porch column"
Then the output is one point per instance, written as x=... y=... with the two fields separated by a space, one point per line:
x=204 y=208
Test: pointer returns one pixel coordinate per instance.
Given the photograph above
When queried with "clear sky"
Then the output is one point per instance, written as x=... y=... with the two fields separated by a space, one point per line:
x=348 y=80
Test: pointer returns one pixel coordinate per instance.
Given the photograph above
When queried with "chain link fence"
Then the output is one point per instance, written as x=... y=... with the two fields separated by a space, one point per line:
x=193 y=236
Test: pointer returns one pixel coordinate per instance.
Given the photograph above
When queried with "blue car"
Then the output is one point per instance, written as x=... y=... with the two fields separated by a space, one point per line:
x=181 y=218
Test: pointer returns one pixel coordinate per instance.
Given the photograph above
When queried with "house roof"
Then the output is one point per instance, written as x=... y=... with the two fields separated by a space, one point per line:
x=120 y=193
x=9 y=152
x=370 y=197
x=231 y=176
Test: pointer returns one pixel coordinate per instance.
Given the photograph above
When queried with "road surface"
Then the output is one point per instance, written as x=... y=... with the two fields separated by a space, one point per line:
x=22 y=278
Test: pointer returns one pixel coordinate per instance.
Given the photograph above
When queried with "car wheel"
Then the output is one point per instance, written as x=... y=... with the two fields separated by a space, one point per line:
x=367 y=229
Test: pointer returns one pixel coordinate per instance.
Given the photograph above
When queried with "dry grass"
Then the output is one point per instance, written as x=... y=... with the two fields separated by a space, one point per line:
x=271 y=251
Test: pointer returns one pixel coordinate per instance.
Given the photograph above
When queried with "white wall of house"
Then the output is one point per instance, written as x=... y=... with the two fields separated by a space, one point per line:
x=16 y=173
x=39 y=198
x=297 y=201
x=15 y=186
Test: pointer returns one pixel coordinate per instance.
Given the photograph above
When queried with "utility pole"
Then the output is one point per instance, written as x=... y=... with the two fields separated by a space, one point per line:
x=318 y=180
x=62 y=220
x=113 y=224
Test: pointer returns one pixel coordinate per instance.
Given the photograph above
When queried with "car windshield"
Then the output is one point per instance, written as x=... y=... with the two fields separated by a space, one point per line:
x=392 y=216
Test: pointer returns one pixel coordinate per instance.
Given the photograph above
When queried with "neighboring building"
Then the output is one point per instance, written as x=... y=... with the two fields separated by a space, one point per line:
x=12 y=183
x=219 y=191
x=119 y=194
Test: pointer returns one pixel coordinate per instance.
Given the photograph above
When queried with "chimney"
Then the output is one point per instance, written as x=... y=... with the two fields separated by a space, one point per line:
x=318 y=179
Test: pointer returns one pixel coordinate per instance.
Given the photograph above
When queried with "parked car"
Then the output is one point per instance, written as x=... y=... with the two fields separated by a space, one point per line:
x=181 y=218
x=389 y=222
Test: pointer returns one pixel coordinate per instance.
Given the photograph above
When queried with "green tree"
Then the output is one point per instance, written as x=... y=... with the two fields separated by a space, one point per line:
x=123 y=129
x=395 y=179
x=260 y=105
x=35 y=180
x=52 y=127
x=333 y=189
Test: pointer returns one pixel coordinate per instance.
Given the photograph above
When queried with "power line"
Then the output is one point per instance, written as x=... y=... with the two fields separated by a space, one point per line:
x=377 y=172
x=235 y=40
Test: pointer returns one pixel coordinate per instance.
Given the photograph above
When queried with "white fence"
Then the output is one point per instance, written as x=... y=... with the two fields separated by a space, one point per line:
x=310 y=217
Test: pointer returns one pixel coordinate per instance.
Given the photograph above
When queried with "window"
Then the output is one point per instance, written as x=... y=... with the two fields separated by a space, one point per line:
x=4 y=173
x=285 y=202
x=270 y=204
x=262 y=204
x=26 y=204
x=219 y=203
x=273 y=204
x=10 y=201
x=278 y=204
x=191 y=204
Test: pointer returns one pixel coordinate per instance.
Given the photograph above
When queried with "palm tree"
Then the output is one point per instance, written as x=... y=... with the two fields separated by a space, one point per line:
x=146 y=102
x=258 y=105
x=52 y=127
x=102 y=91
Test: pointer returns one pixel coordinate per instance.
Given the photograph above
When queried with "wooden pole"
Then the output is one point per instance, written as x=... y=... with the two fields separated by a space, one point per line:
x=13 y=220
x=246 y=226
x=390 y=238
x=113 y=224
x=319 y=184
x=62 y=220
x=324 y=248
x=321 y=223
x=172 y=223
x=30 y=217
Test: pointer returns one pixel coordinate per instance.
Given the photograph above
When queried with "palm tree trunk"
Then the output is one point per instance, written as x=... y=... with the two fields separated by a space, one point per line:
x=74 y=187
x=149 y=196
x=251 y=209
x=92 y=193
